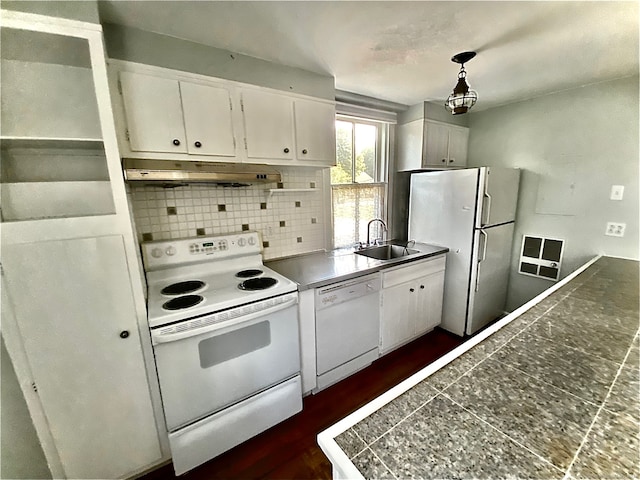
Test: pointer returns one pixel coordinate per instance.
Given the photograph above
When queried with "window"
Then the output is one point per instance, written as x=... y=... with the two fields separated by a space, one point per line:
x=358 y=181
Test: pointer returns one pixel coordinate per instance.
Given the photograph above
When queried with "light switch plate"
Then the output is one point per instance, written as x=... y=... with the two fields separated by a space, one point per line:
x=616 y=192
x=615 y=229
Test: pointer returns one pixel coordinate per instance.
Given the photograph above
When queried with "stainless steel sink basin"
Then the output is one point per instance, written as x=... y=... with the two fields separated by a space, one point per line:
x=386 y=252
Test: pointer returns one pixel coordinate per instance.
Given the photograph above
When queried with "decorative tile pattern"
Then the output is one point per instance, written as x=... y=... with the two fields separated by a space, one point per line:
x=541 y=417
x=544 y=397
x=371 y=466
x=611 y=450
x=443 y=440
x=584 y=375
x=388 y=416
x=183 y=212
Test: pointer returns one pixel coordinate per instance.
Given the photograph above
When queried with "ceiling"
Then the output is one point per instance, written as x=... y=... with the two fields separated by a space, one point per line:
x=400 y=51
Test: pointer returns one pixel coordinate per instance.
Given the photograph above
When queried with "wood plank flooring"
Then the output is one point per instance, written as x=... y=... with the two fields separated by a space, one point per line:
x=289 y=450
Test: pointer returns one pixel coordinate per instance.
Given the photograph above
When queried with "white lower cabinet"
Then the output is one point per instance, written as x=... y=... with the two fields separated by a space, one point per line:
x=72 y=306
x=411 y=301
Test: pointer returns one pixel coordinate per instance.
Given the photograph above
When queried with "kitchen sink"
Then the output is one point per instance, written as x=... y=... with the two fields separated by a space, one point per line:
x=386 y=252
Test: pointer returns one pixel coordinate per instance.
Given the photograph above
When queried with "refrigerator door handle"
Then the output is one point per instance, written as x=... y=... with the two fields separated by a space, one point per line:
x=488 y=209
x=484 y=255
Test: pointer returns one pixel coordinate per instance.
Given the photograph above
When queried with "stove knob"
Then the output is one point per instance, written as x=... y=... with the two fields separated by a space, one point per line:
x=156 y=252
x=252 y=241
x=242 y=242
x=170 y=251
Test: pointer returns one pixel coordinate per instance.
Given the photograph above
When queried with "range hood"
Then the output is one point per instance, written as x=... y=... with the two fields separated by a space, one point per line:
x=174 y=173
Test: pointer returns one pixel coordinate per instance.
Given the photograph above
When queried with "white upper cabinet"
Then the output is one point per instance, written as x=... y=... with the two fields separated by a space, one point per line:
x=154 y=113
x=171 y=116
x=429 y=144
x=280 y=127
x=268 y=123
x=315 y=131
x=207 y=120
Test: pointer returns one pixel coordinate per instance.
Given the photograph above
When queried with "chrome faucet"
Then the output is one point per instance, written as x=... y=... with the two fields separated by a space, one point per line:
x=384 y=226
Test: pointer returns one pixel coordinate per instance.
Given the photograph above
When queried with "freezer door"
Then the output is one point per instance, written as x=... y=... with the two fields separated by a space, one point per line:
x=489 y=276
x=498 y=197
x=442 y=212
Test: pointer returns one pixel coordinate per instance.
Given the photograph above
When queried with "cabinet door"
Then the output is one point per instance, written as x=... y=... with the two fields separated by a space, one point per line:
x=315 y=132
x=153 y=111
x=397 y=323
x=207 y=119
x=458 y=142
x=429 y=302
x=410 y=145
x=268 y=123
x=437 y=144
x=72 y=302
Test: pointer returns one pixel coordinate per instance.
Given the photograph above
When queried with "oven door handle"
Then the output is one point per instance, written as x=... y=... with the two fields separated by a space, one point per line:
x=226 y=325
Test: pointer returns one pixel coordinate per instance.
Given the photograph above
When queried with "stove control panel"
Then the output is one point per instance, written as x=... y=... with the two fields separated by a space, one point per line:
x=188 y=250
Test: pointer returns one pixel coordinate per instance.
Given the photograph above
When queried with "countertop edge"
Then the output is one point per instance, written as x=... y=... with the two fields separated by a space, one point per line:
x=326 y=438
x=376 y=267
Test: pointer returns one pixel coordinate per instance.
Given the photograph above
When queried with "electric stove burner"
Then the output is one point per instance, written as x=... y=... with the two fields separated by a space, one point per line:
x=254 y=272
x=185 y=301
x=260 y=283
x=181 y=288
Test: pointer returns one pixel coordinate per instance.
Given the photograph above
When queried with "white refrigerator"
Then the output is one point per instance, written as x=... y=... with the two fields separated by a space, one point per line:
x=471 y=211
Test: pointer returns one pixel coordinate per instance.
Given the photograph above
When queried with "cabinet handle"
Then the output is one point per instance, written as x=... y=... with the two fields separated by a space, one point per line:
x=198 y=144
x=124 y=334
x=412 y=290
x=176 y=142
x=286 y=150
x=452 y=160
x=421 y=287
x=444 y=160
x=304 y=152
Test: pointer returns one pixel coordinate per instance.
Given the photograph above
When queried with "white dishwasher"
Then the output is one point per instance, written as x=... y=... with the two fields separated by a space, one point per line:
x=347 y=328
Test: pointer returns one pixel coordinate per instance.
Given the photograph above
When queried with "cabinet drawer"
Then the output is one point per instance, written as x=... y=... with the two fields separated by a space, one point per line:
x=412 y=271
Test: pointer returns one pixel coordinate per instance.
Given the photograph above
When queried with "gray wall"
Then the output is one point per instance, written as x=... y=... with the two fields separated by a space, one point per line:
x=572 y=147
x=139 y=46
x=83 y=10
x=20 y=453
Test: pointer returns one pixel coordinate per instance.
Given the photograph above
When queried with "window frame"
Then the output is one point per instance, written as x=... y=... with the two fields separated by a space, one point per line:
x=381 y=168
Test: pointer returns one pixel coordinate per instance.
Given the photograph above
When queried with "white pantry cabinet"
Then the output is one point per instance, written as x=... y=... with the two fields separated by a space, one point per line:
x=75 y=312
x=411 y=301
x=170 y=116
x=430 y=144
x=73 y=307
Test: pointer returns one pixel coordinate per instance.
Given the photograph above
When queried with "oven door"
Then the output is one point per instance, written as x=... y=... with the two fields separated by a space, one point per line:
x=204 y=370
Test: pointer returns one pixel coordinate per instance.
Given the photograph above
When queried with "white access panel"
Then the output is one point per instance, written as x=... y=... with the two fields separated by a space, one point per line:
x=442 y=212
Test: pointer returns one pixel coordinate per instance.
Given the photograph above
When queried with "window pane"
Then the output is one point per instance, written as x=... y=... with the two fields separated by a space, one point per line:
x=365 y=153
x=353 y=206
x=343 y=171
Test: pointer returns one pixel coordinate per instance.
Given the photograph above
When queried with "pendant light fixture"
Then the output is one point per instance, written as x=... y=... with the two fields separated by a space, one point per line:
x=462 y=99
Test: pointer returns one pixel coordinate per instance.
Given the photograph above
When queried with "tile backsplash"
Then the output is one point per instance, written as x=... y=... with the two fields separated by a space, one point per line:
x=291 y=221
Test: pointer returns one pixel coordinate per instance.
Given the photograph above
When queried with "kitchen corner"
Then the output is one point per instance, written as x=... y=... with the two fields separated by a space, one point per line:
x=526 y=397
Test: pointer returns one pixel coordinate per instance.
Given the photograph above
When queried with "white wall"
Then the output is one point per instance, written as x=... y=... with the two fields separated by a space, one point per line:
x=572 y=147
x=20 y=453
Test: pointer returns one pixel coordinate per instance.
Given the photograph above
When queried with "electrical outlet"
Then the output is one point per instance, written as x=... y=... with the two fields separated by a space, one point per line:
x=616 y=192
x=615 y=229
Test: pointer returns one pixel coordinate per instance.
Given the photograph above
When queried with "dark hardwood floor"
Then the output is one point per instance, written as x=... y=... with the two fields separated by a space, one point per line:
x=289 y=450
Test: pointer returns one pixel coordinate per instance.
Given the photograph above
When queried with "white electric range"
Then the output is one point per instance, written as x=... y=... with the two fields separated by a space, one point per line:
x=224 y=330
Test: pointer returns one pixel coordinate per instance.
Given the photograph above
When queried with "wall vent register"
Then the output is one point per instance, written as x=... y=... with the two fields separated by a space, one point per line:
x=541 y=257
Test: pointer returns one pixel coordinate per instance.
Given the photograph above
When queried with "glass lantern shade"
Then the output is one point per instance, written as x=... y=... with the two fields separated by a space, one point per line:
x=462 y=99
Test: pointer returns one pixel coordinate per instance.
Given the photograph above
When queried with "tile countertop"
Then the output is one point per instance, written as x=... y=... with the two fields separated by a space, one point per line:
x=550 y=391
x=323 y=268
